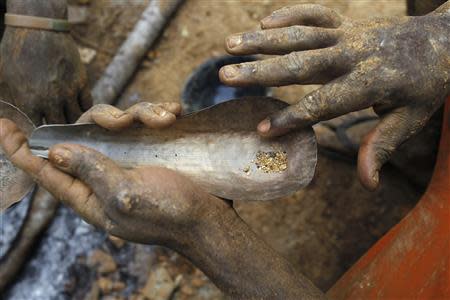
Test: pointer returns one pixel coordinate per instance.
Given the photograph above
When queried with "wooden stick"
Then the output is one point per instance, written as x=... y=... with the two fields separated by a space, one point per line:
x=116 y=76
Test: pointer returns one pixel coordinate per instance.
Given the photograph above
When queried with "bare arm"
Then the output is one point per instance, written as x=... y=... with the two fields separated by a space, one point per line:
x=158 y=206
x=240 y=263
x=40 y=70
x=40 y=8
x=399 y=66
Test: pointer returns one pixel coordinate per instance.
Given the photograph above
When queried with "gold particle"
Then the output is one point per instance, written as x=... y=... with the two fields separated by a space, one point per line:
x=271 y=162
x=246 y=170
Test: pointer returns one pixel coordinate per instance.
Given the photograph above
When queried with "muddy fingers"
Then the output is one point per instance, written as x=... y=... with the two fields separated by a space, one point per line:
x=152 y=115
x=60 y=184
x=281 y=40
x=303 y=14
x=378 y=146
x=313 y=66
x=155 y=115
x=98 y=171
x=107 y=116
x=392 y=64
x=159 y=206
x=336 y=98
x=173 y=107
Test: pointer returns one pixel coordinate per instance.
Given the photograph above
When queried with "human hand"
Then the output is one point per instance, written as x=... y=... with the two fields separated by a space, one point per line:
x=147 y=205
x=41 y=73
x=399 y=66
x=159 y=206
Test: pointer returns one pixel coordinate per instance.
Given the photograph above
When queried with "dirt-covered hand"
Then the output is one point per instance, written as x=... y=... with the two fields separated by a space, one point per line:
x=151 y=115
x=400 y=66
x=147 y=205
x=41 y=73
x=158 y=206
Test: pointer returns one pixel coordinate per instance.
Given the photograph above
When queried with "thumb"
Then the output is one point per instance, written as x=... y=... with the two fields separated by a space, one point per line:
x=380 y=143
x=100 y=173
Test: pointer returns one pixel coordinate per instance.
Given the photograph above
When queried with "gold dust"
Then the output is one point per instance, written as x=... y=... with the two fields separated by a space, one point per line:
x=271 y=162
x=246 y=170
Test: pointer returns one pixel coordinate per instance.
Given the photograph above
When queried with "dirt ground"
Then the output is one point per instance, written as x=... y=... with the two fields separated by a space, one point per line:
x=322 y=229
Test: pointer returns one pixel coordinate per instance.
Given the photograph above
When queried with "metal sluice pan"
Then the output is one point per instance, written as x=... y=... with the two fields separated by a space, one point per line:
x=218 y=148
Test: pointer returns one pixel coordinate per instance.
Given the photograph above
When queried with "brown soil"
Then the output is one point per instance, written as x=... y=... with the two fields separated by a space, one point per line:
x=323 y=229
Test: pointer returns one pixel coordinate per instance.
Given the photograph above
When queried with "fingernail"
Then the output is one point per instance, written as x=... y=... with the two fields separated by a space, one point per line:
x=61 y=157
x=117 y=114
x=159 y=111
x=264 y=126
x=234 y=41
x=229 y=72
x=265 y=20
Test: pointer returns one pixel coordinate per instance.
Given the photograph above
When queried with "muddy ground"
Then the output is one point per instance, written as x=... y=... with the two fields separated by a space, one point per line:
x=322 y=229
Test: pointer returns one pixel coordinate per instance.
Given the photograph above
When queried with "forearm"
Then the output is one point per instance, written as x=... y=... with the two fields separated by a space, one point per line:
x=242 y=265
x=41 y=8
x=43 y=208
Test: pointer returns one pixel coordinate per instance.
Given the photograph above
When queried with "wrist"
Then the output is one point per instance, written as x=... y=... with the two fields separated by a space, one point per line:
x=56 y=9
x=240 y=263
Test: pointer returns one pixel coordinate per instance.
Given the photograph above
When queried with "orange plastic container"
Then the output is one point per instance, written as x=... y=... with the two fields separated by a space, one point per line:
x=412 y=261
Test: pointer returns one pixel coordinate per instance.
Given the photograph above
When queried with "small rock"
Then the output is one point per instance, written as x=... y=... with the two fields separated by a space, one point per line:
x=152 y=54
x=86 y=55
x=197 y=282
x=102 y=261
x=178 y=279
x=187 y=290
x=159 y=286
x=137 y=297
x=94 y=292
x=184 y=32
x=111 y=297
x=108 y=286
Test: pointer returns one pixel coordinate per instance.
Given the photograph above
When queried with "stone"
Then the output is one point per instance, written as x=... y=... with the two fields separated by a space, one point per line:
x=160 y=285
x=108 y=286
x=102 y=261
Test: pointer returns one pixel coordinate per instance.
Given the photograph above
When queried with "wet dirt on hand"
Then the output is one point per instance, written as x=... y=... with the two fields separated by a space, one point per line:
x=322 y=229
